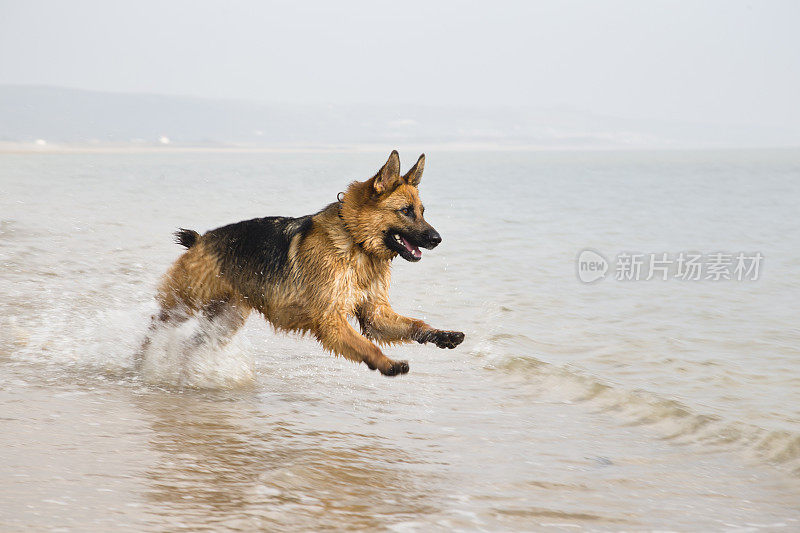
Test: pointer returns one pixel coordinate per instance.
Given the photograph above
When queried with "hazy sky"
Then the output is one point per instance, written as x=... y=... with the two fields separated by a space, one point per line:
x=725 y=61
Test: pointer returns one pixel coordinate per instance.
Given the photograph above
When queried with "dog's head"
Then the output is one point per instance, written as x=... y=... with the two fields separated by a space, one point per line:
x=385 y=214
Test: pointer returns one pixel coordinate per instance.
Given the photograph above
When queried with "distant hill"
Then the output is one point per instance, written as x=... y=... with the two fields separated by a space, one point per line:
x=61 y=115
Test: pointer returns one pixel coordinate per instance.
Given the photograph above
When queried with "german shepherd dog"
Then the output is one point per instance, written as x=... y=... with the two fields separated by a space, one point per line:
x=310 y=274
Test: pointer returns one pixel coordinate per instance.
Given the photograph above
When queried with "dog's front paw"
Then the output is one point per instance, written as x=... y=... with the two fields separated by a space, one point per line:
x=446 y=339
x=393 y=368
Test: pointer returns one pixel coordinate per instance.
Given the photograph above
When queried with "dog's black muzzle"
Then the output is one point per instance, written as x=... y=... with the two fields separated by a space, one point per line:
x=430 y=238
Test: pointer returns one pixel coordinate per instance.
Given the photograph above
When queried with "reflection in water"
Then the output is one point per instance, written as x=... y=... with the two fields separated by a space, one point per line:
x=221 y=460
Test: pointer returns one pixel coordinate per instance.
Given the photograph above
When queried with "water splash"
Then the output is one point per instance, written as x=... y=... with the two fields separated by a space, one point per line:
x=193 y=355
x=107 y=339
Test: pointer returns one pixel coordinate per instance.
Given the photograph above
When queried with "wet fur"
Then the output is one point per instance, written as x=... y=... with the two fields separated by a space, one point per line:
x=310 y=274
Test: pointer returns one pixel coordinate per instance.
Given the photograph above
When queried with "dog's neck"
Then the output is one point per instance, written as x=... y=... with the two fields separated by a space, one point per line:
x=342 y=238
x=361 y=228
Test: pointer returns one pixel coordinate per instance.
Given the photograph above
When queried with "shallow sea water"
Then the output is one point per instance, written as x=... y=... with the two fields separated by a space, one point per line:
x=639 y=405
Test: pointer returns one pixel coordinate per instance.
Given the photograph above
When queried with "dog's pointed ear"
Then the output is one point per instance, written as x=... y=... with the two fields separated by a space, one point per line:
x=388 y=175
x=414 y=176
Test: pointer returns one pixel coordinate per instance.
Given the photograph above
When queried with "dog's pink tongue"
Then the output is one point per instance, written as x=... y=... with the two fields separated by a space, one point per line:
x=413 y=249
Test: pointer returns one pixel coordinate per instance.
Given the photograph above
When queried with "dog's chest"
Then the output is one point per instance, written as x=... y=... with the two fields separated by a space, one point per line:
x=357 y=282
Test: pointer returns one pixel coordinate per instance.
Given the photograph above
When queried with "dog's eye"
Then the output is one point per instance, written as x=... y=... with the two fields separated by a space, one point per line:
x=407 y=210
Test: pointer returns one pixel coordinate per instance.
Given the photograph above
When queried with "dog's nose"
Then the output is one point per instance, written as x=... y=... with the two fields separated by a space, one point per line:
x=433 y=237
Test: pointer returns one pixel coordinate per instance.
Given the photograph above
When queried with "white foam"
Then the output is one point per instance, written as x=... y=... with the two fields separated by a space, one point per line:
x=173 y=358
x=106 y=339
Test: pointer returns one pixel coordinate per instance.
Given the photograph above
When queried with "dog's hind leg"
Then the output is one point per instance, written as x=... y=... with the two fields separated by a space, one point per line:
x=223 y=318
x=220 y=321
x=166 y=316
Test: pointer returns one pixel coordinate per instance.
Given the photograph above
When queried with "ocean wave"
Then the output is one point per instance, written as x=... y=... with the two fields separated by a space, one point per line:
x=670 y=418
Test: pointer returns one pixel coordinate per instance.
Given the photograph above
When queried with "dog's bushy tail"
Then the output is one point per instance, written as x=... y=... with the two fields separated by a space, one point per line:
x=186 y=237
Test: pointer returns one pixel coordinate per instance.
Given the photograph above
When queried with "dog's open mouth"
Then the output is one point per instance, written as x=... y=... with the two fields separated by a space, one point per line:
x=403 y=246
